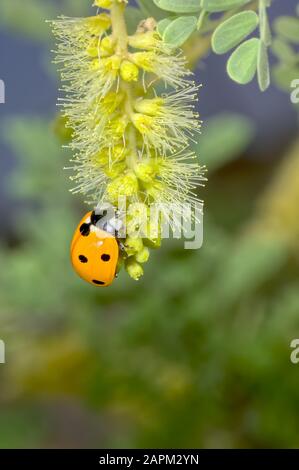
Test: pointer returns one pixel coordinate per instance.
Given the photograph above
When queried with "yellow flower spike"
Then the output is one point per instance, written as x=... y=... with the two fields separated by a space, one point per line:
x=150 y=107
x=103 y=3
x=125 y=185
x=146 y=171
x=143 y=256
x=133 y=245
x=134 y=269
x=148 y=40
x=129 y=72
x=128 y=142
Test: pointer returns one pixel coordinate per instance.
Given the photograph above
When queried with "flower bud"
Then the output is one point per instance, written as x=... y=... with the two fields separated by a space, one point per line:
x=110 y=102
x=94 y=65
x=112 y=64
x=113 y=171
x=146 y=171
x=150 y=107
x=108 y=156
x=152 y=242
x=145 y=60
x=134 y=269
x=137 y=217
x=103 y=3
x=146 y=40
x=97 y=25
x=101 y=158
x=92 y=50
x=143 y=255
x=142 y=122
x=129 y=72
x=133 y=245
x=118 y=153
x=117 y=127
x=125 y=185
x=107 y=45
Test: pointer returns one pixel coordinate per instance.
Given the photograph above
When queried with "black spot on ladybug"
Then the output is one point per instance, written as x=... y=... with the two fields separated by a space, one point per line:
x=85 y=230
x=105 y=257
x=98 y=283
x=83 y=259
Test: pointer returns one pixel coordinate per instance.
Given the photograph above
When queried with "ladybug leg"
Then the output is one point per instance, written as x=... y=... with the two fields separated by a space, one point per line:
x=121 y=245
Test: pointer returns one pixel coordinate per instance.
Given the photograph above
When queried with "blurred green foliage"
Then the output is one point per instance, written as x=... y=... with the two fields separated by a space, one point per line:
x=196 y=354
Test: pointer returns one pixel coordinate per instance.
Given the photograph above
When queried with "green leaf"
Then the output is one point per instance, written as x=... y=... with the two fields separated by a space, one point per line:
x=162 y=25
x=283 y=51
x=265 y=31
x=263 y=70
x=224 y=138
x=242 y=64
x=232 y=31
x=179 y=30
x=179 y=6
x=222 y=5
x=288 y=28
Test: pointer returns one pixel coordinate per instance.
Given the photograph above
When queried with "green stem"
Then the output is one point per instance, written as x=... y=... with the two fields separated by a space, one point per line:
x=119 y=27
x=120 y=34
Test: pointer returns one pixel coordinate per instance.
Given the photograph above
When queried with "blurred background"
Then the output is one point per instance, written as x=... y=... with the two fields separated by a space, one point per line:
x=197 y=353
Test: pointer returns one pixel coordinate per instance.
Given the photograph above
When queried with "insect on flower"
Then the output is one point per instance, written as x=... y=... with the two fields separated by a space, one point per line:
x=128 y=139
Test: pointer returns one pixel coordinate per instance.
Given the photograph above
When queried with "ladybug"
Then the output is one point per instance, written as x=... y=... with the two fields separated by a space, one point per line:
x=95 y=250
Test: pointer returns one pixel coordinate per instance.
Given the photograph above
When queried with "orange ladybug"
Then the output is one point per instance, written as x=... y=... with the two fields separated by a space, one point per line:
x=94 y=251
